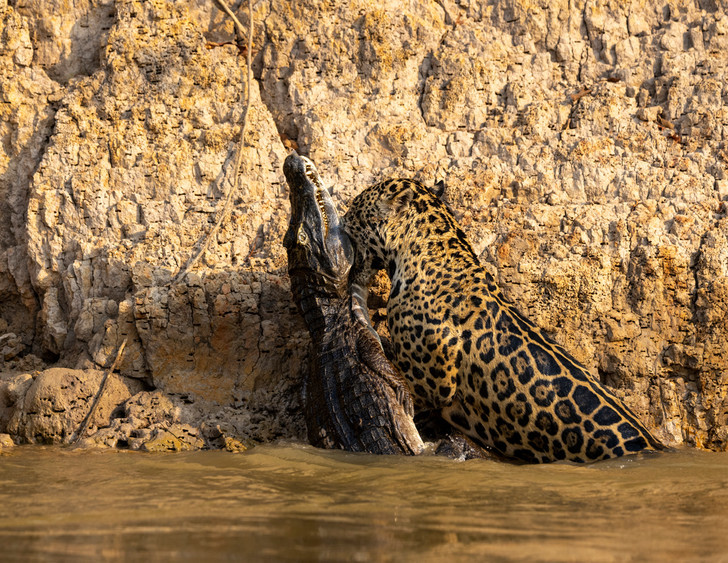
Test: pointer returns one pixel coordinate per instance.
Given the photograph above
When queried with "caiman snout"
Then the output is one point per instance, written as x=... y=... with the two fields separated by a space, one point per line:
x=305 y=182
x=315 y=240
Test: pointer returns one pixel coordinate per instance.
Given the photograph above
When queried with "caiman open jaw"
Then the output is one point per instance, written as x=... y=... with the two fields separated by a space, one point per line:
x=304 y=181
x=318 y=247
x=313 y=175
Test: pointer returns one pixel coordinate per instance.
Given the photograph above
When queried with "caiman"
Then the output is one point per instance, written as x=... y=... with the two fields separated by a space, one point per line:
x=354 y=398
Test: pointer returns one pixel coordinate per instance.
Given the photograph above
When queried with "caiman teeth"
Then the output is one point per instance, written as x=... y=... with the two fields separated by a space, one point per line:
x=320 y=202
x=313 y=176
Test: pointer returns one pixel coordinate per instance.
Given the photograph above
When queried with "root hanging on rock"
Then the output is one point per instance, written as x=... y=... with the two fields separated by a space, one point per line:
x=225 y=209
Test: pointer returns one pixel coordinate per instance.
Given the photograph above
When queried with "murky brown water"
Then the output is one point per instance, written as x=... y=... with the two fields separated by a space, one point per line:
x=295 y=503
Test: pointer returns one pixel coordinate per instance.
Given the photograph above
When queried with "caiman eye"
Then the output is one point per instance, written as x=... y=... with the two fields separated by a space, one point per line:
x=302 y=236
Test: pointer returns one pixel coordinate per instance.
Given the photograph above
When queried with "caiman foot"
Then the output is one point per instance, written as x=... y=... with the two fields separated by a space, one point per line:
x=450 y=442
x=404 y=397
x=458 y=446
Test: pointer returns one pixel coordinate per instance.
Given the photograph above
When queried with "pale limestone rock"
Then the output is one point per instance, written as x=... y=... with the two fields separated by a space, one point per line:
x=12 y=389
x=27 y=96
x=674 y=37
x=158 y=421
x=57 y=401
x=6 y=442
x=68 y=42
x=178 y=438
x=10 y=346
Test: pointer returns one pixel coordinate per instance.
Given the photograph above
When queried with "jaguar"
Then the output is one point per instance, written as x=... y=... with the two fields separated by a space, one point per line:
x=467 y=352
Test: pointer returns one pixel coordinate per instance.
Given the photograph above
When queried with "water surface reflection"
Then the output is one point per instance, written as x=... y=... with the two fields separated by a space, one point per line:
x=295 y=503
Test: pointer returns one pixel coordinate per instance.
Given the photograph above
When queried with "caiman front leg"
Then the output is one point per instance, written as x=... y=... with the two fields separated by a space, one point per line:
x=360 y=309
x=369 y=346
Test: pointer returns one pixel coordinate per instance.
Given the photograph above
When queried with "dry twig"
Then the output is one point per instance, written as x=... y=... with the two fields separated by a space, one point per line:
x=664 y=123
x=84 y=425
x=579 y=95
x=213 y=45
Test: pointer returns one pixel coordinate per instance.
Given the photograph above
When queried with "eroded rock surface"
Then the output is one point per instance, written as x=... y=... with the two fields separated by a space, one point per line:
x=57 y=400
x=583 y=145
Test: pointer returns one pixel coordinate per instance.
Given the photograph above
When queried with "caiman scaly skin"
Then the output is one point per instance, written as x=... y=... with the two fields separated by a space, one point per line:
x=355 y=399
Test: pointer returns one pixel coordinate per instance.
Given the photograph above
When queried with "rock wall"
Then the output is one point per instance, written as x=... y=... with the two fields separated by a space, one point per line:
x=584 y=146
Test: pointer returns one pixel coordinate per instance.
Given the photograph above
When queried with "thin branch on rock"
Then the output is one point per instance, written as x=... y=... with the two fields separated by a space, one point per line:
x=580 y=94
x=236 y=21
x=224 y=210
x=84 y=425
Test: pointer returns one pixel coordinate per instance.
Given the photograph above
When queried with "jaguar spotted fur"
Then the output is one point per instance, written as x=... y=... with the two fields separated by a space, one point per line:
x=467 y=351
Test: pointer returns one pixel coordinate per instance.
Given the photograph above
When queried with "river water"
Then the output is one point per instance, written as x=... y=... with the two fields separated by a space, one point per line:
x=295 y=503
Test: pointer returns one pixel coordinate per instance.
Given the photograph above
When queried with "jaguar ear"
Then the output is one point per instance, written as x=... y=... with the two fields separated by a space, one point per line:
x=439 y=189
x=397 y=203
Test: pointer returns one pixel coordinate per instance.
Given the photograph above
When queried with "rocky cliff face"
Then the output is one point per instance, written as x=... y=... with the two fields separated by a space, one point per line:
x=584 y=146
